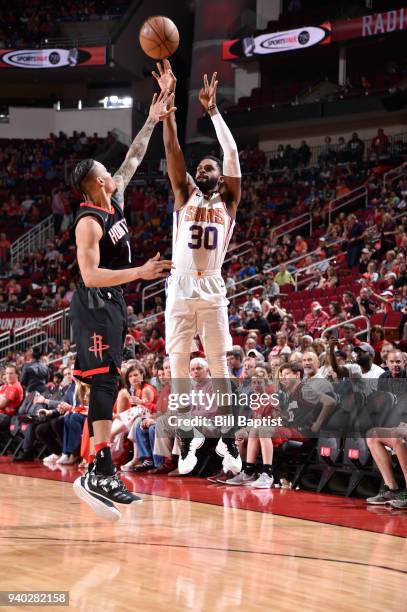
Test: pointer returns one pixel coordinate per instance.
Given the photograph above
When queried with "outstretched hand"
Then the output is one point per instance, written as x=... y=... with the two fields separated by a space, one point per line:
x=165 y=76
x=155 y=268
x=162 y=106
x=207 y=95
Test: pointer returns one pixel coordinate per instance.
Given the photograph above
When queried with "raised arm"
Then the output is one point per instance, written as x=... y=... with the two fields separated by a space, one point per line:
x=88 y=234
x=181 y=183
x=161 y=107
x=340 y=371
x=232 y=176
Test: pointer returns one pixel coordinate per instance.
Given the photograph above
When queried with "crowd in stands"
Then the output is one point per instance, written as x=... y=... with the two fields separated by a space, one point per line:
x=25 y=23
x=311 y=378
x=278 y=333
x=32 y=183
x=45 y=280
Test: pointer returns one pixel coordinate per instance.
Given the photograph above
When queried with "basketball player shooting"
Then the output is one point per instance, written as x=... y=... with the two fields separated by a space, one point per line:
x=203 y=220
x=98 y=309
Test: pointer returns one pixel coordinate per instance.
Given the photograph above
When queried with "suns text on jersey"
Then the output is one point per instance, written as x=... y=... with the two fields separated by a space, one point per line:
x=207 y=215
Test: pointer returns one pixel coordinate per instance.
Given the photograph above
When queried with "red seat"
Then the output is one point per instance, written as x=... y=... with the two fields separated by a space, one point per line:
x=377 y=318
x=393 y=319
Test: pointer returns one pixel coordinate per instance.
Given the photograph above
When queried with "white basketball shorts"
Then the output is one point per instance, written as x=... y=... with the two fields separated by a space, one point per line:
x=197 y=305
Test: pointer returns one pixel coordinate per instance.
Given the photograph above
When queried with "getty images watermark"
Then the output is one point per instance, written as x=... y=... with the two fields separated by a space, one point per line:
x=210 y=400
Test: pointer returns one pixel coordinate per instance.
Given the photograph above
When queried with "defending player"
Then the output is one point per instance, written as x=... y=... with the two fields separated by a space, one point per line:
x=98 y=310
x=204 y=217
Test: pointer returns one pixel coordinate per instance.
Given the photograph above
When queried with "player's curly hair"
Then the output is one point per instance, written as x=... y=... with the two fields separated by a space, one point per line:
x=79 y=173
x=215 y=159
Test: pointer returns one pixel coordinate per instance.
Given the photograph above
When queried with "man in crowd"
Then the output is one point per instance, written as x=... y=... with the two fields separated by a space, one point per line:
x=35 y=375
x=283 y=276
x=370 y=371
x=316 y=319
x=51 y=426
x=235 y=358
x=393 y=379
x=257 y=322
x=349 y=337
x=355 y=241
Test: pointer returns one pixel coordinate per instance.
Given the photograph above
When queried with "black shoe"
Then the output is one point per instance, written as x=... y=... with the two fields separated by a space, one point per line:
x=102 y=507
x=385 y=496
x=25 y=456
x=145 y=466
x=109 y=488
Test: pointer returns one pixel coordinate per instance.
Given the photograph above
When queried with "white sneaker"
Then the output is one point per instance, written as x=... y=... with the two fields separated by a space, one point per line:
x=226 y=448
x=129 y=466
x=51 y=458
x=63 y=460
x=241 y=479
x=189 y=445
x=264 y=481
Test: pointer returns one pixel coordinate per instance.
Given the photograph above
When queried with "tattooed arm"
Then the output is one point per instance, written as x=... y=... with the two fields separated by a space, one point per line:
x=161 y=107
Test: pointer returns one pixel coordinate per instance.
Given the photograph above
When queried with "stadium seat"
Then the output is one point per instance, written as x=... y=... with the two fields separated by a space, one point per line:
x=382 y=409
x=329 y=454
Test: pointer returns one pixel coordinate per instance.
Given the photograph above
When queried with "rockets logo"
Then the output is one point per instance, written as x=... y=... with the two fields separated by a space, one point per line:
x=98 y=347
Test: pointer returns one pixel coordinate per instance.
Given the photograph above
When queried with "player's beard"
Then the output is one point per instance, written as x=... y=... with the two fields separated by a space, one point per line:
x=207 y=185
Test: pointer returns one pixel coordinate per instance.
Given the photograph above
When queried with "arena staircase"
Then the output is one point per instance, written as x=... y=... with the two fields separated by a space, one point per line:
x=36 y=238
x=36 y=332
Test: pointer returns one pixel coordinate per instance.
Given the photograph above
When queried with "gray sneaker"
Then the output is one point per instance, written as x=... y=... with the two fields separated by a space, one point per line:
x=241 y=479
x=401 y=500
x=385 y=496
x=264 y=481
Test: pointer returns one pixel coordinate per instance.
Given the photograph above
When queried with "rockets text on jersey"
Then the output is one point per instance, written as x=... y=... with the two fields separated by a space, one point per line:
x=114 y=246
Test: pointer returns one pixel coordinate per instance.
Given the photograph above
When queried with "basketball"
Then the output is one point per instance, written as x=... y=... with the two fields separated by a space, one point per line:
x=159 y=37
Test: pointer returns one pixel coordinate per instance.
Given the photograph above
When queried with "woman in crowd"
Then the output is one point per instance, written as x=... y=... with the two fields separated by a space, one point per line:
x=135 y=401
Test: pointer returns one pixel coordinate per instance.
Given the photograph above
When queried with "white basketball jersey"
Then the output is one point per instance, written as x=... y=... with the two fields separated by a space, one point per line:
x=202 y=229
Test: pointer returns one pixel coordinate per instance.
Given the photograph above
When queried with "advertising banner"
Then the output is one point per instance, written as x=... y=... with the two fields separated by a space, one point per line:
x=275 y=42
x=370 y=25
x=52 y=58
x=309 y=36
x=9 y=322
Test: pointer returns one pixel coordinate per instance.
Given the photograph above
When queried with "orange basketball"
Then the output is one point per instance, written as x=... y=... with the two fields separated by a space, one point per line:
x=159 y=37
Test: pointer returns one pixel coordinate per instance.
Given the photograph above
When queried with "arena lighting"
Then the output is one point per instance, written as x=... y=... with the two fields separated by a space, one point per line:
x=116 y=102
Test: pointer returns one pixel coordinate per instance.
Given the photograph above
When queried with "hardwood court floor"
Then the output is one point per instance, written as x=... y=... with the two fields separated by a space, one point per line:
x=171 y=553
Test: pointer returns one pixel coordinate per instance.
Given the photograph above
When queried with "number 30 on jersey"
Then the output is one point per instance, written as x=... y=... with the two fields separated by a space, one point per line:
x=203 y=236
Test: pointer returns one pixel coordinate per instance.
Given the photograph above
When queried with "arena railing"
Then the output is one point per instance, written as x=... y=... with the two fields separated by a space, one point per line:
x=66 y=356
x=288 y=263
x=293 y=224
x=37 y=333
x=147 y=294
x=305 y=219
x=348 y=198
x=73 y=42
x=394 y=174
x=314 y=266
x=245 y=292
x=343 y=323
x=316 y=150
x=35 y=238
